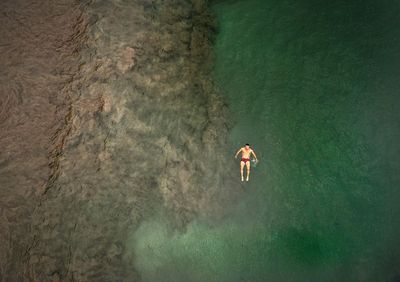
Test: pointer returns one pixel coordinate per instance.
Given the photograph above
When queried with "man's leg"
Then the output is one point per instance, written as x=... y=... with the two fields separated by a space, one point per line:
x=241 y=169
x=248 y=170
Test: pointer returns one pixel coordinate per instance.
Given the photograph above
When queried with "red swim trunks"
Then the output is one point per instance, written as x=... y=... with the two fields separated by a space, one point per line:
x=245 y=160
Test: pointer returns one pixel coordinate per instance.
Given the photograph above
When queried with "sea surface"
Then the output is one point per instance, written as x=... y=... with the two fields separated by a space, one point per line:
x=313 y=86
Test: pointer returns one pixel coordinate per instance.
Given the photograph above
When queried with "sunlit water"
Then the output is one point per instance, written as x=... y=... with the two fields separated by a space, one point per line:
x=313 y=87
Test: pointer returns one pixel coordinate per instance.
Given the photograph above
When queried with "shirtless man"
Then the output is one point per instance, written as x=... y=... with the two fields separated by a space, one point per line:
x=246 y=151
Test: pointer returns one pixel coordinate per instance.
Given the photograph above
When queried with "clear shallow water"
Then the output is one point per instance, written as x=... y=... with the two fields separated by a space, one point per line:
x=313 y=87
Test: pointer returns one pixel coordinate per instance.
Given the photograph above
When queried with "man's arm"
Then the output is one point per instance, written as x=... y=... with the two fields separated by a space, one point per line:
x=254 y=154
x=238 y=152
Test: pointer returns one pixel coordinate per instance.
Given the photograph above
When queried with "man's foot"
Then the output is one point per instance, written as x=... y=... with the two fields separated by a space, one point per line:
x=247 y=179
x=242 y=178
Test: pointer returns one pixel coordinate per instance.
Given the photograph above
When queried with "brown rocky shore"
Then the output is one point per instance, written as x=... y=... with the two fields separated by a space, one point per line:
x=108 y=114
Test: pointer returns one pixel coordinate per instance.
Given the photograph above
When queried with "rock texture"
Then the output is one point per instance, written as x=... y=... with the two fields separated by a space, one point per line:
x=107 y=115
x=39 y=46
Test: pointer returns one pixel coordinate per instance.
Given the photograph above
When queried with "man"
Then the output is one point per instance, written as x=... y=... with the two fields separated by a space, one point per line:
x=246 y=151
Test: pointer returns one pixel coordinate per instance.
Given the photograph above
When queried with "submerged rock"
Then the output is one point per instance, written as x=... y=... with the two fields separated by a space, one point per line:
x=108 y=115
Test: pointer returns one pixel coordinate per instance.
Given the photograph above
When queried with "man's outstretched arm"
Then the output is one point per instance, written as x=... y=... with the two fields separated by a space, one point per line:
x=238 y=152
x=254 y=154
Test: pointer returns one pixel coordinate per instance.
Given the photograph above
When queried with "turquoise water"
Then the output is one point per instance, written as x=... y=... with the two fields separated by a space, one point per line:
x=314 y=88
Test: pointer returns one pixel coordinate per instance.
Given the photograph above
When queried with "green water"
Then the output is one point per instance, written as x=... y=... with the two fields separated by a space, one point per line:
x=314 y=88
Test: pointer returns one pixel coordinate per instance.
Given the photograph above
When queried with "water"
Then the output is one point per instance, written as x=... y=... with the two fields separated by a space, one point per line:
x=313 y=87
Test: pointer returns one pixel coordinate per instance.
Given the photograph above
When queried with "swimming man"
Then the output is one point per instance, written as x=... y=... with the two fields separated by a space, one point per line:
x=246 y=151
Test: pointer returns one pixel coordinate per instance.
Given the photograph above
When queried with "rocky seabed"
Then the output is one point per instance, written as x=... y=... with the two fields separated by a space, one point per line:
x=108 y=115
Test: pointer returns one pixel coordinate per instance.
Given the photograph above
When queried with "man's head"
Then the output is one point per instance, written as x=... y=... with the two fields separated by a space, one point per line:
x=247 y=146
